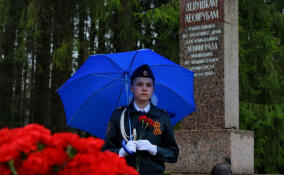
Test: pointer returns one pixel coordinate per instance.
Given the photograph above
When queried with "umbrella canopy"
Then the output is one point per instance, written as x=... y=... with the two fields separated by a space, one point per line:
x=102 y=84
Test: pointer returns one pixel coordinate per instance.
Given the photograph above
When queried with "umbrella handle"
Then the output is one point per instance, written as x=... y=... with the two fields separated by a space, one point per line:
x=124 y=147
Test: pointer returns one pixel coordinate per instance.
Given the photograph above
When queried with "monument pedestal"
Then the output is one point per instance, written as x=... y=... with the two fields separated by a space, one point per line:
x=200 y=150
x=209 y=47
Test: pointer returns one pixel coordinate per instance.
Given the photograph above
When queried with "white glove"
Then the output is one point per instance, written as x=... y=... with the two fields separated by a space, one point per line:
x=131 y=146
x=145 y=145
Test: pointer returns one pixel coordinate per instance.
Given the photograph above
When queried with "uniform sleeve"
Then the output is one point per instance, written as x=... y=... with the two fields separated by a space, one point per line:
x=168 y=151
x=112 y=142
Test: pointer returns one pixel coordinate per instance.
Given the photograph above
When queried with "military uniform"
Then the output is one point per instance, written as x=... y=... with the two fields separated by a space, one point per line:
x=161 y=135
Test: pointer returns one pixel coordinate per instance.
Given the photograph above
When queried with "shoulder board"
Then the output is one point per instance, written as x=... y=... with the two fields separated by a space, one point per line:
x=120 y=108
x=163 y=110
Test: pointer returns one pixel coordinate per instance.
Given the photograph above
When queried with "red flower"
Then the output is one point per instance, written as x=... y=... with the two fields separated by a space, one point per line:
x=54 y=156
x=4 y=169
x=35 y=151
x=8 y=152
x=64 y=139
x=25 y=144
x=3 y=136
x=88 y=145
x=100 y=164
x=142 y=117
x=36 y=127
x=81 y=164
x=150 y=122
x=36 y=163
x=37 y=133
x=119 y=164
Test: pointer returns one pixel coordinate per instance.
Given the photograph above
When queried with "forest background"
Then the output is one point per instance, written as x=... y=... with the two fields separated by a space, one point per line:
x=42 y=42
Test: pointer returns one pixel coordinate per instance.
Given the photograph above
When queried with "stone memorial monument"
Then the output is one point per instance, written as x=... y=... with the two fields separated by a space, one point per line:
x=209 y=47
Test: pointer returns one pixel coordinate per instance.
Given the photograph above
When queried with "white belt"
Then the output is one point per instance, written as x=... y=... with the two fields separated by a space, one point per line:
x=122 y=128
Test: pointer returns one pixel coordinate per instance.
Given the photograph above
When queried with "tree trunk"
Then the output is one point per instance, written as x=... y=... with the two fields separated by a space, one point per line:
x=63 y=32
x=41 y=112
x=83 y=46
x=124 y=30
x=7 y=62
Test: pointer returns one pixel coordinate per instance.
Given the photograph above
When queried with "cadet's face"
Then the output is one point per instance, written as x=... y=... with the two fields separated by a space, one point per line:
x=142 y=89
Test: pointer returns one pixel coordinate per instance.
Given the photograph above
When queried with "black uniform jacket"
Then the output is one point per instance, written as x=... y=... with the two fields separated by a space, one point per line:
x=160 y=135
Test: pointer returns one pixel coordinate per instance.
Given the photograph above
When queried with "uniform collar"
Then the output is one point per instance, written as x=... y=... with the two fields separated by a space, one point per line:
x=154 y=111
x=146 y=109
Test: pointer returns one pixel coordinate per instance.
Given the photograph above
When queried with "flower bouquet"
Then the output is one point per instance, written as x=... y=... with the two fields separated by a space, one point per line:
x=33 y=150
x=145 y=123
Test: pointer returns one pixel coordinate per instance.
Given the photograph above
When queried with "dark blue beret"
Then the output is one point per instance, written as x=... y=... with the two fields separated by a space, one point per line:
x=142 y=71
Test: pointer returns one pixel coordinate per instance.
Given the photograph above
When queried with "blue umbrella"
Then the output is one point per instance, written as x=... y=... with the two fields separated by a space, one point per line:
x=102 y=84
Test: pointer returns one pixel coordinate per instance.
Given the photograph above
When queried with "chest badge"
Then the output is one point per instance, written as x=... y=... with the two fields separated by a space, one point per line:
x=157 y=128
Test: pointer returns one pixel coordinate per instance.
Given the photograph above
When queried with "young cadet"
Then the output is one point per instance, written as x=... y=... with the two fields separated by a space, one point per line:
x=158 y=144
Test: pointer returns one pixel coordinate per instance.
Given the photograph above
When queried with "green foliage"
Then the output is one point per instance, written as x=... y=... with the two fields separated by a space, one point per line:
x=267 y=122
x=114 y=4
x=261 y=31
x=163 y=25
x=30 y=23
x=165 y=14
x=261 y=52
x=4 y=15
x=61 y=56
x=28 y=31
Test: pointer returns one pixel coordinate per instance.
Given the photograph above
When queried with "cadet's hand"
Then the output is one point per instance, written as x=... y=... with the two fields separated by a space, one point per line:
x=145 y=145
x=131 y=146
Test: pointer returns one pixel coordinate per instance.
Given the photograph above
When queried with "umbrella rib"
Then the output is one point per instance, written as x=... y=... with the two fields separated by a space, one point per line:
x=100 y=75
x=115 y=65
x=132 y=61
x=88 y=100
x=94 y=74
x=175 y=94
